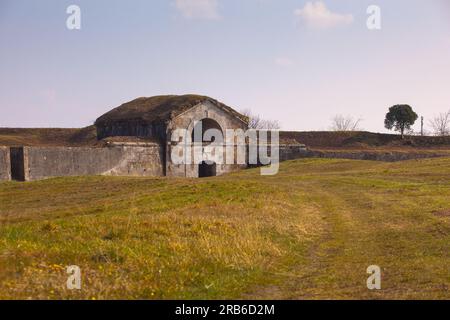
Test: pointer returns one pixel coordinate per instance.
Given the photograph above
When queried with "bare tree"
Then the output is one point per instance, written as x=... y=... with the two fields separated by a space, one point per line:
x=345 y=123
x=441 y=124
x=271 y=124
x=256 y=122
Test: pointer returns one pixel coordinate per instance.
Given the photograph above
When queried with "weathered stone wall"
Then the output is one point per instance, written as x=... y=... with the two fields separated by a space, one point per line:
x=187 y=121
x=298 y=151
x=5 y=166
x=156 y=131
x=289 y=153
x=292 y=151
x=372 y=155
x=120 y=160
x=286 y=152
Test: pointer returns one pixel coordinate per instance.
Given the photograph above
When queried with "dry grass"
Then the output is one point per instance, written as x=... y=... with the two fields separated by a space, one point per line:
x=48 y=136
x=308 y=232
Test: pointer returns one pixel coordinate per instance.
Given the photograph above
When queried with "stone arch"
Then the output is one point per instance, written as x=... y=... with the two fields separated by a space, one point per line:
x=200 y=127
x=213 y=117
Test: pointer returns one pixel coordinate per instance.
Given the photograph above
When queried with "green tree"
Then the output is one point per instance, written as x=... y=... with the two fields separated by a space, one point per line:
x=400 y=117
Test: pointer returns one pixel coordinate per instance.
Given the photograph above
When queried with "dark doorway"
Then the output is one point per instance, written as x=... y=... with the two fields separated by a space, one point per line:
x=17 y=164
x=206 y=170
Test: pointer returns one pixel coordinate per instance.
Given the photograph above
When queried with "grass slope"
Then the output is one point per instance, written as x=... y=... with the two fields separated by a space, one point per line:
x=309 y=232
x=48 y=136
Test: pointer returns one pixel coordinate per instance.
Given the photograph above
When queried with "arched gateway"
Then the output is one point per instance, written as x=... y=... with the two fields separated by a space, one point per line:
x=206 y=132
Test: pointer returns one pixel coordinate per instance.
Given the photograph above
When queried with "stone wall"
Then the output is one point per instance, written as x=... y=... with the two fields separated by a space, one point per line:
x=157 y=131
x=187 y=121
x=298 y=151
x=393 y=156
x=144 y=159
x=119 y=160
x=292 y=151
x=5 y=167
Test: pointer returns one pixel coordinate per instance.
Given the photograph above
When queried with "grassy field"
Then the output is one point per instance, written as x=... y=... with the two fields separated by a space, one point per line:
x=309 y=232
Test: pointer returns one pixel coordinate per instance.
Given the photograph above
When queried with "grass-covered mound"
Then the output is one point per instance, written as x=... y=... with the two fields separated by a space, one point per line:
x=48 y=136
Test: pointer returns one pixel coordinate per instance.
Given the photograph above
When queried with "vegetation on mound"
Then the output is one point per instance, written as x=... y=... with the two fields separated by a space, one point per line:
x=48 y=136
x=313 y=139
x=309 y=232
x=158 y=108
x=362 y=139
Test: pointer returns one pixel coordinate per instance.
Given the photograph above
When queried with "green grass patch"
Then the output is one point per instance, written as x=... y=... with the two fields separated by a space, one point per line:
x=309 y=232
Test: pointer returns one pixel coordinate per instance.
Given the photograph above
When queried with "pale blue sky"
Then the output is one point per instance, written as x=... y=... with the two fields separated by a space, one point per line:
x=250 y=54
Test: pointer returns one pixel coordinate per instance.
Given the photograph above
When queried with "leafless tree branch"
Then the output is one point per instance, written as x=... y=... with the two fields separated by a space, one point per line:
x=345 y=123
x=256 y=122
x=441 y=124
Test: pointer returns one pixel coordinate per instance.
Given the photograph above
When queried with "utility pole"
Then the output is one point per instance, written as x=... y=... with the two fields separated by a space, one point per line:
x=421 y=126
